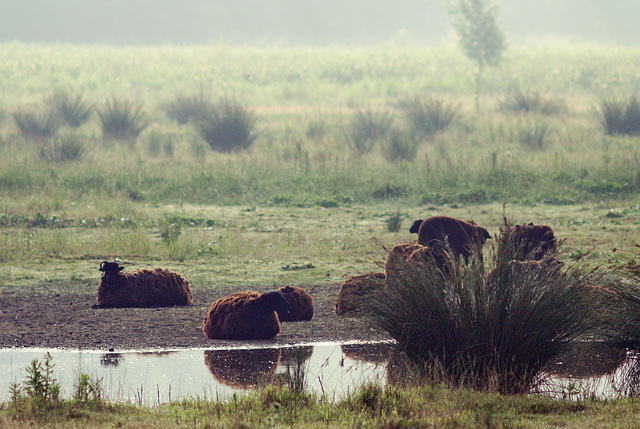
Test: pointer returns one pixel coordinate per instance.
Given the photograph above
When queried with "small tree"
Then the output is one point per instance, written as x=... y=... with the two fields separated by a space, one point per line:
x=480 y=37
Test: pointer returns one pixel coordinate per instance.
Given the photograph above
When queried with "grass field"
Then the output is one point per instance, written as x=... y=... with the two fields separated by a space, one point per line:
x=301 y=206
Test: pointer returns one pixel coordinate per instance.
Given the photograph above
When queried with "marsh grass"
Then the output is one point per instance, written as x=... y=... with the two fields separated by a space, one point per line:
x=620 y=116
x=532 y=102
x=63 y=148
x=533 y=134
x=400 y=146
x=73 y=109
x=492 y=331
x=428 y=116
x=184 y=108
x=122 y=119
x=36 y=124
x=228 y=126
x=367 y=127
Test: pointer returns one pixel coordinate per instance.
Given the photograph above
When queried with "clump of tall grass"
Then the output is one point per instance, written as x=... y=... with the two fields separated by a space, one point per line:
x=428 y=116
x=626 y=327
x=620 y=116
x=184 y=108
x=35 y=124
x=68 y=147
x=492 y=331
x=228 y=127
x=72 y=109
x=533 y=134
x=366 y=127
x=399 y=146
x=531 y=102
x=122 y=119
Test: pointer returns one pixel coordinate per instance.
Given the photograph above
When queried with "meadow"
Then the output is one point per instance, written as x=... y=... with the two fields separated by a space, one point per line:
x=305 y=204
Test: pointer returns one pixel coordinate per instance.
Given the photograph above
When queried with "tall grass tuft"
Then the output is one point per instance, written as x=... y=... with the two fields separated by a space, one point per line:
x=63 y=148
x=399 y=146
x=366 y=127
x=492 y=331
x=428 y=116
x=620 y=116
x=122 y=119
x=228 y=127
x=36 y=124
x=626 y=326
x=533 y=134
x=184 y=108
x=531 y=102
x=72 y=109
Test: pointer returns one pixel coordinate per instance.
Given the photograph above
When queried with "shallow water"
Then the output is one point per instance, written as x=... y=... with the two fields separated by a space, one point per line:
x=152 y=378
x=328 y=369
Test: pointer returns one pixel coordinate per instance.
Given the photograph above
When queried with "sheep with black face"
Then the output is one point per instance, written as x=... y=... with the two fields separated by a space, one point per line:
x=141 y=288
x=245 y=316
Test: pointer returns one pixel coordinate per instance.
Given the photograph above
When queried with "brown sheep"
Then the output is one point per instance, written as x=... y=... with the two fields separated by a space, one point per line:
x=141 y=288
x=245 y=316
x=533 y=241
x=417 y=253
x=301 y=304
x=464 y=237
x=355 y=289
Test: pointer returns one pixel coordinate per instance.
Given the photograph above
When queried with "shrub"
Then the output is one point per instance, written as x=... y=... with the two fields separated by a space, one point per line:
x=399 y=146
x=122 y=119
x=73 y=110
x=486 y=332
x=228 y=127
x=620 y=116
x=519 y=102
x=428 y=116
x=187 y=107
x=367 y=127
x=64 y=148
x=36 y=124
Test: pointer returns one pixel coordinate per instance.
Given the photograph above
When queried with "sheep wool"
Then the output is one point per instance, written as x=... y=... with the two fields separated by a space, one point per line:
x=355 y=290
x=301 y=304
x=141 y=288
x=464 y=237
x=245 y=316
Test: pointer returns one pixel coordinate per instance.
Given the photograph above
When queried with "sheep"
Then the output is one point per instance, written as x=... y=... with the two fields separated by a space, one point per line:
x=245 y=316
x=463 y=237
x=301 y=304
x=141 y=288
x=243 y=368
x=430 y=256
x=355 y=289
x=533 y=241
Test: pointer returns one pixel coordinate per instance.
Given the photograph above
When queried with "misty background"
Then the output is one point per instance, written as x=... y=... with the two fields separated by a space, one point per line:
x=304 y=22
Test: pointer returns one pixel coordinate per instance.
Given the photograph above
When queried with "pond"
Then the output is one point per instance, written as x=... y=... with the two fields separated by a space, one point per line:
x=331 y=370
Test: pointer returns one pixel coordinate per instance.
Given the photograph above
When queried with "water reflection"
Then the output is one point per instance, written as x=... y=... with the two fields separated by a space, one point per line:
x=243 y=368
x=330 y=370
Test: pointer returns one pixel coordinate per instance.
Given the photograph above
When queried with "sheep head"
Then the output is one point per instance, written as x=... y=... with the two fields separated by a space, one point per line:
x=110 y=269
x=275 y=301
x=416 y=226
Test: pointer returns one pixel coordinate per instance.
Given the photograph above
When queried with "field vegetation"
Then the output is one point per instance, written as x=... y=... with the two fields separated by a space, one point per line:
x=322 y=154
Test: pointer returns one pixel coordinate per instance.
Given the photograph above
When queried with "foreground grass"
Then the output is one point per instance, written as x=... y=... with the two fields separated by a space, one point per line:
x=370 y=407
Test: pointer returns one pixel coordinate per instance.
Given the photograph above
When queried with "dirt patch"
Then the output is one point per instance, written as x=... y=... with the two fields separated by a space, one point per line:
x=68 y=321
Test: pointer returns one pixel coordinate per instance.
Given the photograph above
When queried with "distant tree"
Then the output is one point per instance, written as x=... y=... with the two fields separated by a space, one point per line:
x=480 y=37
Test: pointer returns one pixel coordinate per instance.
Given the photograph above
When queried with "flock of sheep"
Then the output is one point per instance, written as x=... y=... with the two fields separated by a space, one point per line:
x=251 y=315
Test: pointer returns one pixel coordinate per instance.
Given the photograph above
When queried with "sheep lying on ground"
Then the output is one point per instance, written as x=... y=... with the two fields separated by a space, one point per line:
x=141 y=288
x=464 y=238
x=533 y=241
x=245 y=316
x=355 y=289
x=301 y=304
x=433 y=256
